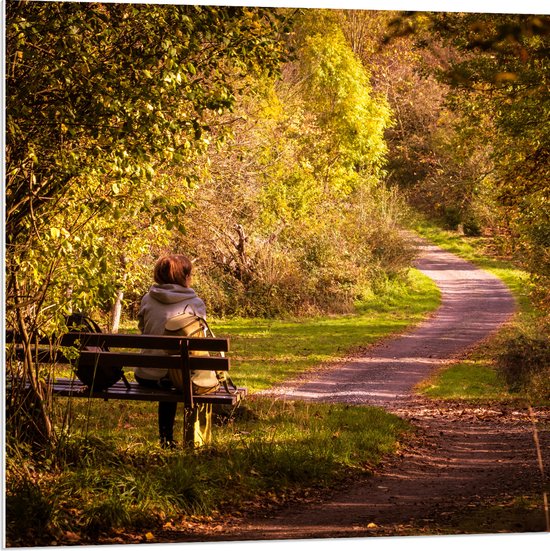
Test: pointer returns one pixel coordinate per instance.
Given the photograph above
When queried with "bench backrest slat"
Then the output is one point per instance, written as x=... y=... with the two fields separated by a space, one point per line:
x=156 y=342
x=128 y=359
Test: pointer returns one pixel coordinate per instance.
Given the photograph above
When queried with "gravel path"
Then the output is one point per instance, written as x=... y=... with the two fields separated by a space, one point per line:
x=474 y=305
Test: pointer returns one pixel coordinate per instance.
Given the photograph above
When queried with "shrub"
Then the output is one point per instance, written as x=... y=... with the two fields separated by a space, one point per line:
x=525 y=363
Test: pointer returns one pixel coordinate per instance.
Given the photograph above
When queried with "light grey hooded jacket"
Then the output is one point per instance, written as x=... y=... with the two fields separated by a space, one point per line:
x=162 y=302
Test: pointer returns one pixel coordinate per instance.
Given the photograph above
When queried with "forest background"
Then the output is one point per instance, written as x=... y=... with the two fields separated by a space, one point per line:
x=283 y=150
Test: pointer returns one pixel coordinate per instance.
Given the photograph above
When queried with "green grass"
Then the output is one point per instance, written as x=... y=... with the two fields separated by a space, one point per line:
x=467 y=380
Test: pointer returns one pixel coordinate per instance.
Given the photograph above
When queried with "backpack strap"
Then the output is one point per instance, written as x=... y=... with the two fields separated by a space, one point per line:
x=222 y=376
x=226 y=381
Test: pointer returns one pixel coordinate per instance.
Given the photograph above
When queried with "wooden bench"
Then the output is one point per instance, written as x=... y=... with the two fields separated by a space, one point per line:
x=116 y=351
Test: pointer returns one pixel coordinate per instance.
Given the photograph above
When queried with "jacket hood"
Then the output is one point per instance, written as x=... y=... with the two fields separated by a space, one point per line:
x=171 y=293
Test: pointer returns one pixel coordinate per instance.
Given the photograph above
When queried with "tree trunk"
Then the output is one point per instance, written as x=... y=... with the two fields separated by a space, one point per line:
x=27 y=411
x=116 y=311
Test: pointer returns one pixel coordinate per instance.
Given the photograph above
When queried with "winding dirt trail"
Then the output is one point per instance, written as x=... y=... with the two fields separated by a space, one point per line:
x=474 y=304
x=462 y=458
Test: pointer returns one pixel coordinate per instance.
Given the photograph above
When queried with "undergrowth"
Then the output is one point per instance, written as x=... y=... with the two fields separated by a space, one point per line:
x=524 y=362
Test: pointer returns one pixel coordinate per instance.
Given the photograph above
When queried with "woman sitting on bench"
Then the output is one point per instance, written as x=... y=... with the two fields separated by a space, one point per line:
x=170 y=295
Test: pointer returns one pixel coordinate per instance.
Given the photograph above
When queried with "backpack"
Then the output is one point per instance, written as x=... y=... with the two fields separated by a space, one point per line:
x=204 y=382
x=96 y=378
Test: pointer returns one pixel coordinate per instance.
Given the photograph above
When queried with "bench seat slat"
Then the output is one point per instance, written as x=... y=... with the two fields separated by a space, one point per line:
x=70 y=387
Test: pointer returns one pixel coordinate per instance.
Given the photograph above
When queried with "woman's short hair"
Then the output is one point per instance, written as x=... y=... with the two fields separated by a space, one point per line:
x=174 y=268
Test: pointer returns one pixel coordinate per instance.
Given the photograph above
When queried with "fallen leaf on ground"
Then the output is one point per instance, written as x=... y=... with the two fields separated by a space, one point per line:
x=71 y=536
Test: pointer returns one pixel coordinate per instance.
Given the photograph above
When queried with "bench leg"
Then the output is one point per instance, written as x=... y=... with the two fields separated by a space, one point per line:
x=198 y=425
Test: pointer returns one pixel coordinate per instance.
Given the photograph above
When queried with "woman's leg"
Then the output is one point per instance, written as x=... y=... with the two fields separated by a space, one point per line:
x=166 y=412
x=167 y=416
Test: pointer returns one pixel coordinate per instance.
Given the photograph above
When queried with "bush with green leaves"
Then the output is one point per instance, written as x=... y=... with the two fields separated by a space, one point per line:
x=294 y=217
x=525 y=362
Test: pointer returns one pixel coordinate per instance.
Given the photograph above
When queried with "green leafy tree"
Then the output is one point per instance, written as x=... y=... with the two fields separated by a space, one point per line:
x=294 y=217
x=483 y=160
x=350 y=115
x=432 y=165
x=499 y=85
x=101 y=99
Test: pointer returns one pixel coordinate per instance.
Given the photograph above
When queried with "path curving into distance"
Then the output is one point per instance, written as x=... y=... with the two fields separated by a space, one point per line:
x=462 y=457
x=474 y=304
